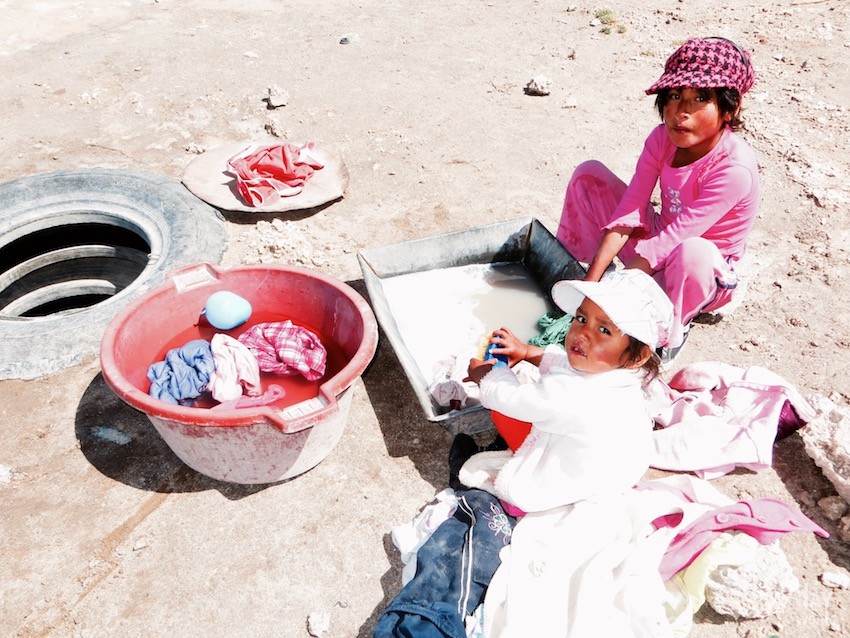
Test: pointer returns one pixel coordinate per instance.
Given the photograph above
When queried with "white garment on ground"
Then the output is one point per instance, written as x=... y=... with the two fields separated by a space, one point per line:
x=409 y=537
x=717 y=417
x=591 y=569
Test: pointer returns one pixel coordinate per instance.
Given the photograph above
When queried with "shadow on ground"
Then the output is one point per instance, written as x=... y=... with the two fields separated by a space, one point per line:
x=390 y=583
x=807 y=484
x=406 y=430
x=246 y=218
x=407 y=433
x=144 y=461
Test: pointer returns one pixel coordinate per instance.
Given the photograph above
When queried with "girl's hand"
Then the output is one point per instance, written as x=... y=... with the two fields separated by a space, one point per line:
x=510 y=345
x=477 y=369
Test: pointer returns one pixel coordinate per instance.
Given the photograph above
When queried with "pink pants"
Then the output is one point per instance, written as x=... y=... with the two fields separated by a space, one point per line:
x=696 y=276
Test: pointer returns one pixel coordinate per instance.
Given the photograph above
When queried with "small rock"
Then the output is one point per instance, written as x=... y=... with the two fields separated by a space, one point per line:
x=834 y=507
x=277 y=96
x=250 y=54
x=318 y=623
x=140 y=544
x=759 y=588
x=193 y=148
x=835 y=580
x=539 y=85
x=5 y=474
x=595 y=22
x=835 y=626
x=348 y=38
x=569 y=103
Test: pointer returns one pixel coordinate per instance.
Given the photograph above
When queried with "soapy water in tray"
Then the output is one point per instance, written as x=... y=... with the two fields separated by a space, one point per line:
x=449 y=311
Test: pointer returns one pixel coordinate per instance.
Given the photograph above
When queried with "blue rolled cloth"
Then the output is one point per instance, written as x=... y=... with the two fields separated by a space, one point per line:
x=184 y=374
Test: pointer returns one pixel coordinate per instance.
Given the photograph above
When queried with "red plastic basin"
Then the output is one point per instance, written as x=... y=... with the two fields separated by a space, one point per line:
x=253 y=445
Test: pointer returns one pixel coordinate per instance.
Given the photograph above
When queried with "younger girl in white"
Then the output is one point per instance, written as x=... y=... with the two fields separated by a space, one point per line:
x=590 y=430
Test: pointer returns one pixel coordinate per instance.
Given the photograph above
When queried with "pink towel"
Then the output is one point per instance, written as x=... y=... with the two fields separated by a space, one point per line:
x=284 y=348
x=264 y=174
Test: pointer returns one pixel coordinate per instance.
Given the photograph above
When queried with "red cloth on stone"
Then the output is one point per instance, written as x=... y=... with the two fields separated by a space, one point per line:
x=264 y=174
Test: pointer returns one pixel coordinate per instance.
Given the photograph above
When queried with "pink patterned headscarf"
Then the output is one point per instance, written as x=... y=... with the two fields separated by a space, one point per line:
x=707 y=63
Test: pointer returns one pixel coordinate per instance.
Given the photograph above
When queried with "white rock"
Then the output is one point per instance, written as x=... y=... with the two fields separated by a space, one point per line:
x=6 y=474
x=318 y=623
x=833 y=507
x=539 y=85
x=827 y=441
x=759 y=588
x=277 y=96
x=844 y=529
x=835 y=580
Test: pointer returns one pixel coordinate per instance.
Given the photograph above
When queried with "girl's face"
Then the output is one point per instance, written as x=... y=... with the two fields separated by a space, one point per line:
x=593 y=343
x=694 y=123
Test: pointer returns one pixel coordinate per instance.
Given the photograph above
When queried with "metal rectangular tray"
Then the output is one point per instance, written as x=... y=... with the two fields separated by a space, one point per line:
x=524 y=241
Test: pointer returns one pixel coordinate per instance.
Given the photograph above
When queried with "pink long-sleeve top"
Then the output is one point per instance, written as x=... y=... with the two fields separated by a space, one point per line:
x=715 y=197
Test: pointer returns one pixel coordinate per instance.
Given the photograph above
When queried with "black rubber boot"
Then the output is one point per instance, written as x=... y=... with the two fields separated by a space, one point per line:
x=463 y=447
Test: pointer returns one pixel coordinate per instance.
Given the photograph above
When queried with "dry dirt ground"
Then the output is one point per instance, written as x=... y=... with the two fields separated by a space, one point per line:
x=426 y=105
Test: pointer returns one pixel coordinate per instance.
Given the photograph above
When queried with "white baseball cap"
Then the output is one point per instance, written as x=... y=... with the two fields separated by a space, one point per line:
x=632 y=300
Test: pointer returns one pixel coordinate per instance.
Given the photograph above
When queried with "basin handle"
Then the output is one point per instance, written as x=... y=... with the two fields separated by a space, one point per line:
x=193 y=276
x=303 y=415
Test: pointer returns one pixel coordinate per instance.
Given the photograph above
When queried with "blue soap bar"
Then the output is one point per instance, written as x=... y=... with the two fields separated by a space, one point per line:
x=501 y=360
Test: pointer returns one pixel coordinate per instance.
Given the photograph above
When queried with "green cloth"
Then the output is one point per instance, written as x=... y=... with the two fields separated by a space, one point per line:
x=553 y=329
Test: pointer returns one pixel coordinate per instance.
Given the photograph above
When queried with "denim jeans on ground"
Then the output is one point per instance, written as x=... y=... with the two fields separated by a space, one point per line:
x=454 y=567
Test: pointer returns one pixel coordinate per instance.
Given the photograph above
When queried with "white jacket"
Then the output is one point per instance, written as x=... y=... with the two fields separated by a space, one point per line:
x=591 y=433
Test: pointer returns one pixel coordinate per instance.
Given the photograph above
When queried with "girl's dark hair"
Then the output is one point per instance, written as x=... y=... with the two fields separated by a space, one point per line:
x=634 y=352
x=728 y=101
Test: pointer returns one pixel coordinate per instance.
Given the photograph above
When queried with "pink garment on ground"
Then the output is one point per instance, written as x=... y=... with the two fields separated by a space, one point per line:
x=264 y=174
x=717 y=417
x=764 y=519
x=272 y=394
x=286 y=349
x=707 y=211
x=235 y=367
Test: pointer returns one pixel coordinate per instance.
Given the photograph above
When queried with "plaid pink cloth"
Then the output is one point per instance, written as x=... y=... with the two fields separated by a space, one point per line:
x=286 y=349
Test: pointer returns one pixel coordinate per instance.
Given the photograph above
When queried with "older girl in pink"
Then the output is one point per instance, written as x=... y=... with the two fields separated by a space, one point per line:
x=709 y=186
